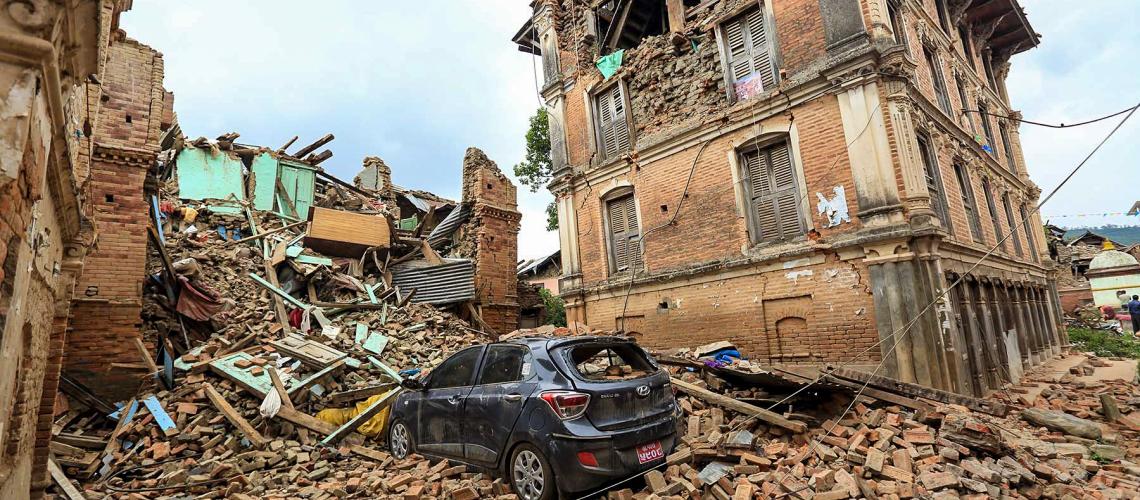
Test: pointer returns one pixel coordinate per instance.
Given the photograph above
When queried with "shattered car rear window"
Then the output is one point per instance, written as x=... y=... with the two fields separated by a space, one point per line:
x=610 y=361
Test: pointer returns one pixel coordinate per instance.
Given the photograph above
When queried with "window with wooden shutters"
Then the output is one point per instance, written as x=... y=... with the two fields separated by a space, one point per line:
x=624 y=238
x=750 y=66
x=933 y=179
x=968 y=204
x=1012 y=223
x=612 y=124
x=983 y=114
x=993 y=213
x=1007 y=147
x=773 y=192
x=1030 y=240
x=937 y=81
x=965 y=103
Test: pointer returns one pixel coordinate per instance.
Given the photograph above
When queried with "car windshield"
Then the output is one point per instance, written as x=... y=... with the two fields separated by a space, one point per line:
x=602 y=362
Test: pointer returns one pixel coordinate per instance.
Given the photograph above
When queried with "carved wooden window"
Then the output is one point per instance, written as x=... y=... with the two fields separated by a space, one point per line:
x=612 y=122
x=943 y=15
x=933 y=179
x=1007 y=147
x=967 y=47
x=984 y=115
x=898 y=28
x=968 y=204
x=993 y=213
x=937 y=81
x=623 y=234
x=1030 y=229
x=750 y=63
x=773 y=193
x=967 y=122
x=1012 y=223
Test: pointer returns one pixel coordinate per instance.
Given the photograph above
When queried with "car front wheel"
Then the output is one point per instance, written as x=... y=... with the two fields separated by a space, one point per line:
x=400 y=440
x=531 y=475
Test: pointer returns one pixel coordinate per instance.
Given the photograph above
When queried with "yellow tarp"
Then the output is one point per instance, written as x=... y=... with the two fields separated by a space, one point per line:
x=372 y=428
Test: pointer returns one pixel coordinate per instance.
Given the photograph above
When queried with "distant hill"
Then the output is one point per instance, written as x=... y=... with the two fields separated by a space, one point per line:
x=1125 y=235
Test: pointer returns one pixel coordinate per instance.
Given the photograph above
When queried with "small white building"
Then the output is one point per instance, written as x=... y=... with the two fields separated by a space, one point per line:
x=1110 y=273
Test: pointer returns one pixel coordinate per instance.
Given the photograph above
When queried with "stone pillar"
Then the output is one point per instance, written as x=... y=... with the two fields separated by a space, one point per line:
x=1013 y=315
x=1031 y=329
x=898 y=295
x=988 y=292
x=869 y=154
x=989 y=335
x=495 y=220
x=936 y=336
x=975 y=338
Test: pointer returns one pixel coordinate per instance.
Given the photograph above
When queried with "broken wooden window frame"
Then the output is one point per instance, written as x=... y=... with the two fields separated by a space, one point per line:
x=762 y=150
x=969 y=204
x=630 y=236
x=601 y=102
x=740 y=17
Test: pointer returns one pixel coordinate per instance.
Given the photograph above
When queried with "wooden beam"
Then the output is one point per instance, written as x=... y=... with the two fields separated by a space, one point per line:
x=287 y=144
x=306 y=421
x=234 y=417
x=738 y=406
x=80 y=441
x=266 y=233
x=429 y=254
x=313 y=147
x=284 y=194
x=319 y=157
x=278 y=291
x=279 y=386
x=354 y=395
x=676 y=10
x=995 y=408
x=361 y=418
x=147 y=359
x=885 y=396
x=314 y=378
x=63 y=482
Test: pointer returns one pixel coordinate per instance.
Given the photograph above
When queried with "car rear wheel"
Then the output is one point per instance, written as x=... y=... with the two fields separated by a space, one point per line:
x=400 y=440
x=531 y=475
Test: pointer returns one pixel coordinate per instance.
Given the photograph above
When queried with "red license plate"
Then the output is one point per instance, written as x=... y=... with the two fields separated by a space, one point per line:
x=650 y=452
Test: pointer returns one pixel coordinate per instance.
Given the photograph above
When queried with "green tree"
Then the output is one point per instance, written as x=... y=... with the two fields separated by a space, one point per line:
x=555 y=308
x=536 y=169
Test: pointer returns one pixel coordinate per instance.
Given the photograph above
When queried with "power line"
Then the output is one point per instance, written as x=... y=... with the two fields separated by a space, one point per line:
x=1050 y=125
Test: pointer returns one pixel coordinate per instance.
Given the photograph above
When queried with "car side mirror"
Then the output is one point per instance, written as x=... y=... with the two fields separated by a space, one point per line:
x=412 y=384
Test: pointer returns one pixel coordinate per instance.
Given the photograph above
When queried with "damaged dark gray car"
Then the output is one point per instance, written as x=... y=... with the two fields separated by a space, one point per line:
x=554 y=415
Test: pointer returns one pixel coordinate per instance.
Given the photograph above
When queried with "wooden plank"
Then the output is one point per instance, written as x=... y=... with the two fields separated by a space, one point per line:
x=258 y=385
x=738 y=406
x=366 y=452
x=279 y=386
x=63 y=449
x=995 y=408
x=676 y=10
x=361 y=333
x=63 y=482
x=278 y=291
x=80 y=441
x=267 y=233
x=234 y=417
x=309 y=352
x=284 y=194
x=314 y=378
x=429 y=254
x=147 y=359
x=344 y=397
x=327 y=138
x=160 y=416
x=113 y=438
x=395 y=375
x=305 y=420
x=888 y=397
x=361 y=418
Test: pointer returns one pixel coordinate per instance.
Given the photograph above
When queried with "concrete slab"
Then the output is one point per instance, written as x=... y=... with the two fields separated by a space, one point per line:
x=1120 y=370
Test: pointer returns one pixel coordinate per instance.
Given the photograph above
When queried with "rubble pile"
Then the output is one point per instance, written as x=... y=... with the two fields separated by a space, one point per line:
x=276 y=362
x=1059 y=445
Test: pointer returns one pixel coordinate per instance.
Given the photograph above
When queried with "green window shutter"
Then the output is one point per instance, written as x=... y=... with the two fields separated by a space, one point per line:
x=613 y=127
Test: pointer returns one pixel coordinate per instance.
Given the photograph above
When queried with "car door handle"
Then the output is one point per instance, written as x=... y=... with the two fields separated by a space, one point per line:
x=455 y=399
x=513 y=397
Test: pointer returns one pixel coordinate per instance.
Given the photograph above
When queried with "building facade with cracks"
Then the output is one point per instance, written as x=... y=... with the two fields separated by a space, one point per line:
x=58 y=70
x=803 y=178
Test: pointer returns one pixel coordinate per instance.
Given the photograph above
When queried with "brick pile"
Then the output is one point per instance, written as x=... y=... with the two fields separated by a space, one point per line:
x=885 y=451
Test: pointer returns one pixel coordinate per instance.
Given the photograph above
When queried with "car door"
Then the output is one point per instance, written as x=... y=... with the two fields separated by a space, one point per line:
x=506 y=380
x=440 y=430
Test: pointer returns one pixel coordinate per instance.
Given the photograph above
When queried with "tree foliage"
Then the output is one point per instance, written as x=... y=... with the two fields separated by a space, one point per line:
x=555 y=308
x=536 y=169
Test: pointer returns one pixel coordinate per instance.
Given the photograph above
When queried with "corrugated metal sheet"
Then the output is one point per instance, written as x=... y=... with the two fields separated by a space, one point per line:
x=442 y=232
x=447 y=283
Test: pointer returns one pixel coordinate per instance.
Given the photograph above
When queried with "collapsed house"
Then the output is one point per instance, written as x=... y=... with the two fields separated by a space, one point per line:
x=1075 y=251
x=801 y=178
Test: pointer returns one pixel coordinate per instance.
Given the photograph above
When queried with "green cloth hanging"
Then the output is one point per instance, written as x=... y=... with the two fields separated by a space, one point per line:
x=609 y=64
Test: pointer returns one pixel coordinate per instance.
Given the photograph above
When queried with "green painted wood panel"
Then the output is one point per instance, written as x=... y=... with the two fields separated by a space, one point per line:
x=299 y=181
x=203 y=175
x=265 y=180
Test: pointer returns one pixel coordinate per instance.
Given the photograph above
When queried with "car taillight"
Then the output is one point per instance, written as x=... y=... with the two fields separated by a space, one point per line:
x=566 y=404
x=587 y=458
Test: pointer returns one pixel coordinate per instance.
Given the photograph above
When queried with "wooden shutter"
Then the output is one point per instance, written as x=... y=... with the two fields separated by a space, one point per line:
x=624 y=236
x=774 y=195
x=748 y=49
x=613 y=128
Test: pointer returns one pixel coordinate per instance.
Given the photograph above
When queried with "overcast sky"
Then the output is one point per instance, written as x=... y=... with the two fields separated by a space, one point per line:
x=416 y=85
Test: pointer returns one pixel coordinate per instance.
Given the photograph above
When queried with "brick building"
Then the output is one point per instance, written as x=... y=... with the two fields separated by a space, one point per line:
x=801 y=178
x=133 y=111
x=58 y=67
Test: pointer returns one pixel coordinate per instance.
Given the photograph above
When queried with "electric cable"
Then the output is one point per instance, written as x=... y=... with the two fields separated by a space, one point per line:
x=1050 y=125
